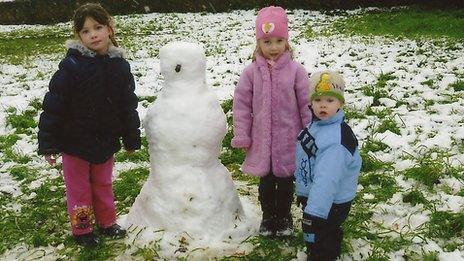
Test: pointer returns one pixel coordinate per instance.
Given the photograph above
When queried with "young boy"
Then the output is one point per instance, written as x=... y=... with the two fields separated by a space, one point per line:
x=327 y=168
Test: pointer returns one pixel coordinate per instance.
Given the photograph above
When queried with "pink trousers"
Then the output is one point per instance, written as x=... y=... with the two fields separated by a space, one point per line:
x=89 y=193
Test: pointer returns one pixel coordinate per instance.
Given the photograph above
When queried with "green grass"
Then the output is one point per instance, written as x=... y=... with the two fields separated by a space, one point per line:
x=127 y=187
x=7 y=141
x=23 y=123
x=446 y=225
x=371 y=163
x=413 y=23
x=40 y=220
x=390 y=125
x=140 y=155
x=131 y=27
x=379 y=113
x=50 y=223
x=272 y=248
x=22 y=172
x=351 y=113
x=146 y=100
x=106 y=250
x=376 y=256
x=309 y=33
x=381 y=185
x=22 y=46
x=383 y=79
x=387 y=244
x=415 y=197
x=36 y=104
x=43 y=221
x=374 y=92
x=357 y=223
x=461 y=192
x=458 y=85
x=148 y=253
x=378 y=90
x=427 y=173
x=9 y=155
x=430 y=167
x=131 y=32
x=374 y=145
x=429 y=83
x=233 y=157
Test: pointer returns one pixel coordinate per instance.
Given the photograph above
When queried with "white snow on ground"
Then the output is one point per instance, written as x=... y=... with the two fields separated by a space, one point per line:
x=428 y=116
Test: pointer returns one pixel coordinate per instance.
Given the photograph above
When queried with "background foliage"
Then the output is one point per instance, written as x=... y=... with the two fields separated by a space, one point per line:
x=52 y=11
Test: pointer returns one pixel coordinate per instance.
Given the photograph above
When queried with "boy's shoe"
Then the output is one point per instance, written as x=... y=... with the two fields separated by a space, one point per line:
x=86 y=240
x=267 y=227
x=284 y=227
x=114 y=231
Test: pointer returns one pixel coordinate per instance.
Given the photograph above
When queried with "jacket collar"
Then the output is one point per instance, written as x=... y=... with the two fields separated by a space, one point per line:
x=113 y=51
x=337 y=117
x=279 y=63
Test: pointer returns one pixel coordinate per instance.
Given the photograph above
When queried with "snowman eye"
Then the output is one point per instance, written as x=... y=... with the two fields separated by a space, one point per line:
x=178 y=67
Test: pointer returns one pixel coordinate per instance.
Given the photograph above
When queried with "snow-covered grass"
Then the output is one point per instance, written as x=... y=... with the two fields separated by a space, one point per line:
x=406 y=22
x=405 y=101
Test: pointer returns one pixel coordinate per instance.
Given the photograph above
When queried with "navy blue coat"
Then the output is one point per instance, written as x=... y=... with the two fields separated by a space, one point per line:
x=90 y=106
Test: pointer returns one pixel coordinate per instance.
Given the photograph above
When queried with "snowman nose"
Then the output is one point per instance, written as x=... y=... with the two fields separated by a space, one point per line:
x=178 y=67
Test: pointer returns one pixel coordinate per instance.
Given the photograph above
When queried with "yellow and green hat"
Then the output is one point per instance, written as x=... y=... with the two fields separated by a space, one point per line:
x=327 y=83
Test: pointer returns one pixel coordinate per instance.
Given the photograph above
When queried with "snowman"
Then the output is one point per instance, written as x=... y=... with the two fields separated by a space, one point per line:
x=188 y=189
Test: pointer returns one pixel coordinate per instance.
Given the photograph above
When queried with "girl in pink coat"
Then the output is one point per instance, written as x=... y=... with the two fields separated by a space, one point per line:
x=269 y=110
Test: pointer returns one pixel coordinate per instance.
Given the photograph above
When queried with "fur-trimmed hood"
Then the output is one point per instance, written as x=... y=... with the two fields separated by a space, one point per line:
x=113 y=51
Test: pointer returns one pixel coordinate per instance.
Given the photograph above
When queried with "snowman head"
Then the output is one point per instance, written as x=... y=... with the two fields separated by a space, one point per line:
x=182 y=61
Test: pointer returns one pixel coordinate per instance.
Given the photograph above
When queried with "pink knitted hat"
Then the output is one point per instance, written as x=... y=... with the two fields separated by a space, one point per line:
x=271 y=22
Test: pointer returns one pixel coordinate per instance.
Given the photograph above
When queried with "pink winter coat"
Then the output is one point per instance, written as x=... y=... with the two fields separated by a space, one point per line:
x=270 y=108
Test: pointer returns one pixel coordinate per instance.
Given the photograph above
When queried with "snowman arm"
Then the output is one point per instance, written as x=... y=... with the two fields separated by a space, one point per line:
x=302 y=95
x=242 y=111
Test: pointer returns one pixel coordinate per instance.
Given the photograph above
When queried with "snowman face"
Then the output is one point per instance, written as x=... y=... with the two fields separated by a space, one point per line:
x=182 y=61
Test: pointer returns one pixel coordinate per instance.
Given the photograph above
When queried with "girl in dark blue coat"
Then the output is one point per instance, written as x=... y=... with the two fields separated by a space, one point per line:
x=89 y=108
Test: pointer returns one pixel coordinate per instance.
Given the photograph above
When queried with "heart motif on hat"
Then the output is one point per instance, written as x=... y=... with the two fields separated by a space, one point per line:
x=267 y=28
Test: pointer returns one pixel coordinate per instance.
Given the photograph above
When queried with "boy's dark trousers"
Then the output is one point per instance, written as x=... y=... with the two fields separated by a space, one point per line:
x=275 y=196
x=328 y=234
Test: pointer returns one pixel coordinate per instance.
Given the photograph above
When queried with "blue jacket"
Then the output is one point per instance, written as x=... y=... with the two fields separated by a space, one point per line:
x=90 y=106
x=327 y=164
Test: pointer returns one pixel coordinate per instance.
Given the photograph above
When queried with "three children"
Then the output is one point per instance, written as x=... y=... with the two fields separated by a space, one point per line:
x=91 y=105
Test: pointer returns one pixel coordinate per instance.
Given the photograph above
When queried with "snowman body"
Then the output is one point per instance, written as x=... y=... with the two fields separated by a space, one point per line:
x=188 y=189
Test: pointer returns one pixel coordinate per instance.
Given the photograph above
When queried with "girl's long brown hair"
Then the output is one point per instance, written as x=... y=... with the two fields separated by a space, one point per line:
x=96 y=12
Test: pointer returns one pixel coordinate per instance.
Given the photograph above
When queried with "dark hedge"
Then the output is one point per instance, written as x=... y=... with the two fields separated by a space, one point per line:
x=52 y=11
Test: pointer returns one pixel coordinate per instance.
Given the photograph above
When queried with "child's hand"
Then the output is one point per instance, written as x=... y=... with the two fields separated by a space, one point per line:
x=51 y=158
